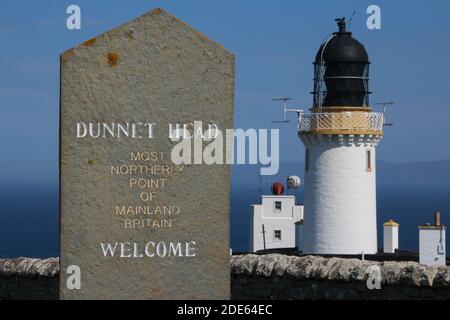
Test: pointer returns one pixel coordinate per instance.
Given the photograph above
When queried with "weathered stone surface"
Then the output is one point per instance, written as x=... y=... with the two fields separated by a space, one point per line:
x=29 y=267
x=339 y=269
x=313 y=277
x=442 y=278
x=247 y=282
x=152 y=69
x=244 y=264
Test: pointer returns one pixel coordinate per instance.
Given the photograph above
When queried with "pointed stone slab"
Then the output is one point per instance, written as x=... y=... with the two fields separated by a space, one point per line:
x=154 y=69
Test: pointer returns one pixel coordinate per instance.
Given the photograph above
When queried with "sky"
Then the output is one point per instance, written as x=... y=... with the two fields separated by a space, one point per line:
x=275 y=43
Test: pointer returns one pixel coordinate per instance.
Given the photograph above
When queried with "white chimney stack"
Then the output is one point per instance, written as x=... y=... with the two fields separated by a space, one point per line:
x=390 y=236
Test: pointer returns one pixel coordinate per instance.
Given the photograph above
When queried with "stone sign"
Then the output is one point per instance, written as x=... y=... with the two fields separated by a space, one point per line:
x=135 y=224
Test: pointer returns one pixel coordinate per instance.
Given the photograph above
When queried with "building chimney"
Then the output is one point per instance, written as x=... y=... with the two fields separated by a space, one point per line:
x=390 y=236
x=437 y=219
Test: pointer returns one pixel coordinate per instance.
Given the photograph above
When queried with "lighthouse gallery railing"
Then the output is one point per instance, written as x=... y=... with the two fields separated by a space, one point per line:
x=341 y=122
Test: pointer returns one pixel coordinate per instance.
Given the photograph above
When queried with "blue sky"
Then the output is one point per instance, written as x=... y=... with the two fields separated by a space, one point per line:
x=275 y=43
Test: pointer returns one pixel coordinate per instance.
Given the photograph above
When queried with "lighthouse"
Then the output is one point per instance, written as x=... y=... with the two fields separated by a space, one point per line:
x=340 y=135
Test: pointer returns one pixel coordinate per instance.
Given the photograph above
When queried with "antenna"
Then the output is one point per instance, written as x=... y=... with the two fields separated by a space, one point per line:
x=386 y=105
x=285 y=103
x=351 y=19
x=286 y=110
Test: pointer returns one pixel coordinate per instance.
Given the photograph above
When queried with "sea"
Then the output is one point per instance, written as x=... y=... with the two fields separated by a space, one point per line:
x=29 y=222
x=29 y=219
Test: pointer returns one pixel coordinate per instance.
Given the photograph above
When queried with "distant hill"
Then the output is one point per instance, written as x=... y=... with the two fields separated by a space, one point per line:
x=434 y=174
x=415 y=174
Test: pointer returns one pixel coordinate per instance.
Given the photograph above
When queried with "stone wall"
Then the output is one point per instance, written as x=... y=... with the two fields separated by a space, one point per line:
x=277 y=276
x=30 y=279
x=272 y=276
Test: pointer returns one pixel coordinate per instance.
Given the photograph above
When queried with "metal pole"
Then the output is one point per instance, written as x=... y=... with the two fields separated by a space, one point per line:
x=264 y=238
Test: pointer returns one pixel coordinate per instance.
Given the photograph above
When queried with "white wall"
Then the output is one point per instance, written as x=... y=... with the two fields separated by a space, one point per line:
x=432 y=249
x=340 y=196
x=390 y=239
x=272 y=219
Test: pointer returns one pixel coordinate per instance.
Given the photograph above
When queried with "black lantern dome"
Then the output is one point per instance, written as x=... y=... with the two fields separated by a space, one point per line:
x=341 y=71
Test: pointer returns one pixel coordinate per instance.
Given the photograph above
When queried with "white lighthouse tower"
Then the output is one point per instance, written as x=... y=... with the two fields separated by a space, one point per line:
x=340 y=135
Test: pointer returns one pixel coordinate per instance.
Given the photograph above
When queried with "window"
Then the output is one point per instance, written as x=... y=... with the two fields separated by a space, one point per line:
x=368 y=160
x=277 y=235
x=277 y=206
x=307 y=156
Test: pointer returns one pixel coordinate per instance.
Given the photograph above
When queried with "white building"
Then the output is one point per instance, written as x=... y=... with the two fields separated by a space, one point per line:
x=390 y=236
x=277 y=214
x=340 y=134
x=432 y=251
